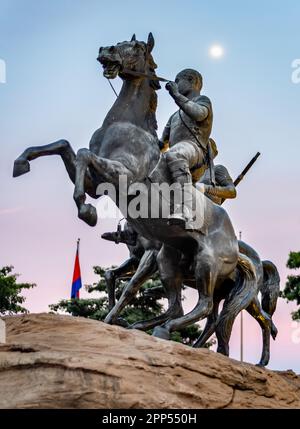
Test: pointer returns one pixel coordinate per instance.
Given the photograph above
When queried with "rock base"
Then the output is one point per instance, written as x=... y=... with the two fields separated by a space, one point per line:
x=52 y=361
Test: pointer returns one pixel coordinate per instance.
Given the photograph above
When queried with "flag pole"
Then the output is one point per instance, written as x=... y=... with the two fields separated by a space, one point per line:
x=78 y=242
x=241 y=325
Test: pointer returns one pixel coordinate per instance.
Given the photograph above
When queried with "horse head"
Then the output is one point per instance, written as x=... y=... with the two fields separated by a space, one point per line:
x=128 y=60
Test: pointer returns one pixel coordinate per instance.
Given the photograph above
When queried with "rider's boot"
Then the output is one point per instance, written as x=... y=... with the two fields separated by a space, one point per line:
x=125 y=236
x=182 y=213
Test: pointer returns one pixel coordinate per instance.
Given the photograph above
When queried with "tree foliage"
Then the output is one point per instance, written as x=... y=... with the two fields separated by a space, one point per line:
x=292 y=288
x=10 y=290
x=144 y=306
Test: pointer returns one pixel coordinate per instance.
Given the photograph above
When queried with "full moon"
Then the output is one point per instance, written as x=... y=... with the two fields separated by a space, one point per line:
x=216 y=51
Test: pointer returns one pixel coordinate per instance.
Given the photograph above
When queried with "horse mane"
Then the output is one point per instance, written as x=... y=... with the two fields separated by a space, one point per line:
x=155 y=85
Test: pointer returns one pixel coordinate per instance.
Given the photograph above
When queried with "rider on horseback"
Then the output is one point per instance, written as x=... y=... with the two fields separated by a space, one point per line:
x=187 y=133
x=224 y=186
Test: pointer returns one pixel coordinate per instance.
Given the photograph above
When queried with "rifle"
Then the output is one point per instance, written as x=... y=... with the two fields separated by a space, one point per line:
x=245 y=171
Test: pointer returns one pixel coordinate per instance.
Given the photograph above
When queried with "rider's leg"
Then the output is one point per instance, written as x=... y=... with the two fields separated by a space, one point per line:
x=180 y=159
x=124 y=236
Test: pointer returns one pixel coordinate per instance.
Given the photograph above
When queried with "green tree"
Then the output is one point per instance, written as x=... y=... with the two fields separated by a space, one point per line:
x=144 y=306
x=10 y=298
x=291 y=291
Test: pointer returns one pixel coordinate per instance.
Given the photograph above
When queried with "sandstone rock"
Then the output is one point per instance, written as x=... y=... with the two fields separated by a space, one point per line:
x=52 y=361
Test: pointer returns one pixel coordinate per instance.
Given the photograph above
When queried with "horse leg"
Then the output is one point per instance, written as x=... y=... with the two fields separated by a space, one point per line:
x=224 y=327
x=205 y=274
x=265 y=323
x=171 y=277
x=61 y=148
x=174 y=310
x=233 y=305
x=210 y=326
x=108 y=170
x=126 y=269
x=270 y=291
x=156 y=292
x=146 y=268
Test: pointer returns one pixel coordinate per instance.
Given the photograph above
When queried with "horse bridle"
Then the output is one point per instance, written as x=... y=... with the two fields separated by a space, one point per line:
x=139 y=74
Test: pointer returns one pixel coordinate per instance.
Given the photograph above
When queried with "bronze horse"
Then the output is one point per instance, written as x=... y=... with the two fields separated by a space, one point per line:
x=127 y=145
x=141 y=265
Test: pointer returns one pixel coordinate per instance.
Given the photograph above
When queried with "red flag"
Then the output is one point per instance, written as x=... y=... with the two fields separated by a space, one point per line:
x=76 y=283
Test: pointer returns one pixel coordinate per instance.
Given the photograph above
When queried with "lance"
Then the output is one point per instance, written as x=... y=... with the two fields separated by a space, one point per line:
x=245 y=171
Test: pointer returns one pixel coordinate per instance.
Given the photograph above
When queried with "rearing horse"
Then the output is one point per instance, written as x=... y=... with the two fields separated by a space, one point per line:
x=127 y=145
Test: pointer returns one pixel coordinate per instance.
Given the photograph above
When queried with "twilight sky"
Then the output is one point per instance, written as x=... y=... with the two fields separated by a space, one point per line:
x=55 y=89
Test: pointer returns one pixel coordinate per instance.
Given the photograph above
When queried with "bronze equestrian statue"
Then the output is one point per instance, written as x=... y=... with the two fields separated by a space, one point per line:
x=126 y=145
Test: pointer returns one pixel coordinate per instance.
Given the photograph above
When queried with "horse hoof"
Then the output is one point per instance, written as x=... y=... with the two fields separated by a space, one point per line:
x=122 y=322
x=274 y=332
x=136 y=325
x=88 y=214
x=109 y=320
x=161 y=332
x=198 y=345
x=21 y=166
x=262 y=363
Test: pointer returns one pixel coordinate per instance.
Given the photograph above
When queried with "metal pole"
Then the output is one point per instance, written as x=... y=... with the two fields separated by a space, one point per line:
x=241 y=325
x=2 y=332
x=242 y=339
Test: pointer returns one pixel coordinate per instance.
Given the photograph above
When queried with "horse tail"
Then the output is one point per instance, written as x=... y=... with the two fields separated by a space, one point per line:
x=270 y=288
x=239 y=298
x=245 y=287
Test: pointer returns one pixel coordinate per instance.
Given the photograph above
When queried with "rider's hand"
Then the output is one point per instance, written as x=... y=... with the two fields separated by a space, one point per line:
x=172 y=88
x=200 y=187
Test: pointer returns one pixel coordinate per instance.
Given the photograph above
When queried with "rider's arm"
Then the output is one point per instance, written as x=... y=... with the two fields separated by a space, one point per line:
x=196 y=110
x=225 y=187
